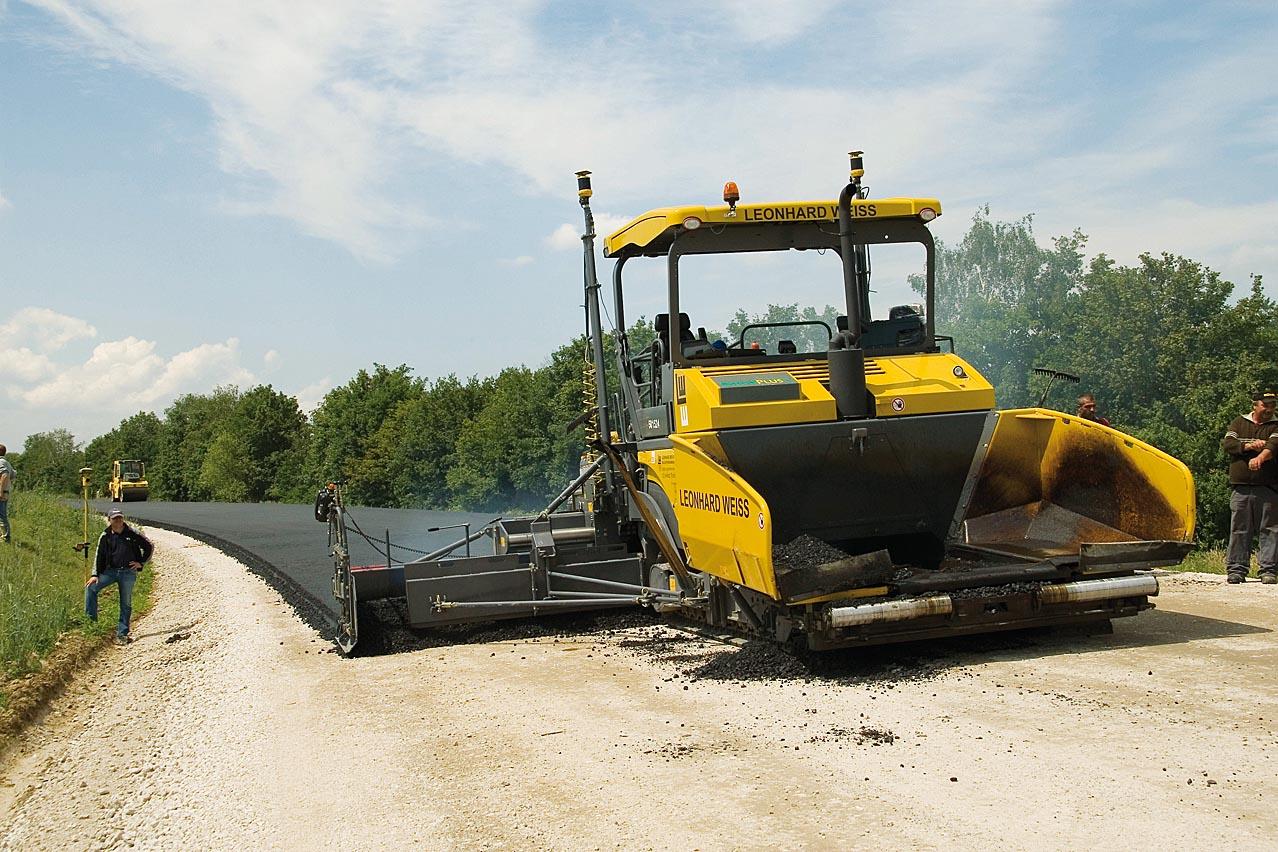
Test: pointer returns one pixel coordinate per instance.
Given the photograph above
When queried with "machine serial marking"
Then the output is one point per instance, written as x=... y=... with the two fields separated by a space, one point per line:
x=724 y=504
x=803 y=212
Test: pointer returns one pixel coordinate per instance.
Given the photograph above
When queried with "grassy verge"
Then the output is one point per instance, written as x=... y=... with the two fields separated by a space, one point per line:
x=42 y=585
x=1205 y=561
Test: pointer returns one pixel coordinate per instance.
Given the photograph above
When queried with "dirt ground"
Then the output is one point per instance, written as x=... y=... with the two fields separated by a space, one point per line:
x=230 y=724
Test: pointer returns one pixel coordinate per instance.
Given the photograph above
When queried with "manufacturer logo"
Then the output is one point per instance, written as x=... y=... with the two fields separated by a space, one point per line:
x=761 y=522
x=898 y=404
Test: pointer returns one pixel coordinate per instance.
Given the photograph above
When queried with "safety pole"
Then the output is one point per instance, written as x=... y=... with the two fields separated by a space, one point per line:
x=83 y=546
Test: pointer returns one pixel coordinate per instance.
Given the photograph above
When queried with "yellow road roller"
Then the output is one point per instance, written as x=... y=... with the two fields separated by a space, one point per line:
x=128 y=481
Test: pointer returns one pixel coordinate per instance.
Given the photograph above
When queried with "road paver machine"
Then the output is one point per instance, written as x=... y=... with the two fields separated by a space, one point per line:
x=858 y=491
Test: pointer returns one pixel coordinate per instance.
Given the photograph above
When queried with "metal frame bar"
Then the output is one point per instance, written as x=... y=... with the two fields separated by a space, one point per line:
x=612 y=584
x=531 y=606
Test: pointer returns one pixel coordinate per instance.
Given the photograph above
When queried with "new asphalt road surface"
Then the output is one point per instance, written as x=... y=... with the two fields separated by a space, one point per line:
x=285 y=543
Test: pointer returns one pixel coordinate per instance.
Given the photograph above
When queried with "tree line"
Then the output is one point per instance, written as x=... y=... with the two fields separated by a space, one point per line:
x=1170 y=358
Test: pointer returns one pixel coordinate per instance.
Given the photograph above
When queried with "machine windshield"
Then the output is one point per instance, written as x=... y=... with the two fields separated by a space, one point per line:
x=789 y=302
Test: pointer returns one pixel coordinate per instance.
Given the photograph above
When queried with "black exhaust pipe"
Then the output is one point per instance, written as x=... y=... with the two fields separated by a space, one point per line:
x=846 y=358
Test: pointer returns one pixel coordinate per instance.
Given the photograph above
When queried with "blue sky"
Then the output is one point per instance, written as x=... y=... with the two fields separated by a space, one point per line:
x=194 y=194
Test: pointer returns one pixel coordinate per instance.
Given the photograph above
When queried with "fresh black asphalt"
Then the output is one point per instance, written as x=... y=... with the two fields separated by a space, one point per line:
x=286 y=545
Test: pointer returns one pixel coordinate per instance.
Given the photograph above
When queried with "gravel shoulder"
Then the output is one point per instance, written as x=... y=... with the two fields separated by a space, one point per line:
x=230 y=723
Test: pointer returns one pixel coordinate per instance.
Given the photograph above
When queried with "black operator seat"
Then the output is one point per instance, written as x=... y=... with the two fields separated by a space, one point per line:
x=903 y=328
x=689 y=344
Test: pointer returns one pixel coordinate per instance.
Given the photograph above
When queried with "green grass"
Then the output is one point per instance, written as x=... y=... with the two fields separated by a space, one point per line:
x=42 y=584
x=1205 y=561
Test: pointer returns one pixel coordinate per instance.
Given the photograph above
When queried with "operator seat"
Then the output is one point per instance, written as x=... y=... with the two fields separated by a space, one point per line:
x=687 y=342
x=903 y=328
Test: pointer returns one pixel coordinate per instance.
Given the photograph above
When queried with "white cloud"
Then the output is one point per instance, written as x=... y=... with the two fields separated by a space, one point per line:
x=769 y=20
x=316 y=113
x=1237 y=235
x=44 y=329
x=24 y=365
x=114 y=370
x=271 y=358
x=309 y=397
x=568 y=235
x=204 y=367
x=57 y=388
x=5 y=204
x=516 y=262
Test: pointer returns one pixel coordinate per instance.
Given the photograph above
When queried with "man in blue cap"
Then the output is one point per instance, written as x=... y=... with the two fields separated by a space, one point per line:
x=1252 y=445
x=122 y=551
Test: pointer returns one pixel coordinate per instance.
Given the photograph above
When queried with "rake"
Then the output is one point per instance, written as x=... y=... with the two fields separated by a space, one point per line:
x=1052 y=376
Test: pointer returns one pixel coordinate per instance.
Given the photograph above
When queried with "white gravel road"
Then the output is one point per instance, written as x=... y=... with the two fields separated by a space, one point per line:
x=228 y=724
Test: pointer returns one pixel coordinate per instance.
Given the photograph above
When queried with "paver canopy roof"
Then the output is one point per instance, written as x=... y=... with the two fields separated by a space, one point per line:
x=653 y=232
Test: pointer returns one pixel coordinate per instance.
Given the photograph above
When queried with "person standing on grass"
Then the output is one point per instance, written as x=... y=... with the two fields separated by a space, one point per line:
x=1252 y=445
x=122 y=551
x=6 y=488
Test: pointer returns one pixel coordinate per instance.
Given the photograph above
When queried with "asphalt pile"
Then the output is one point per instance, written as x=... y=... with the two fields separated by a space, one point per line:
x=1006 y=590
x=805 y=552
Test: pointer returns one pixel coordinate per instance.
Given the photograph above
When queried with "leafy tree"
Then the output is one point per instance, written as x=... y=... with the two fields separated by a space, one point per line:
x=1004 y=299
x=190 y=425
x=406 y=462
x=262 y=433
x=1180 y=380
x=50 y=461
x=349 y=417
x=508 y=455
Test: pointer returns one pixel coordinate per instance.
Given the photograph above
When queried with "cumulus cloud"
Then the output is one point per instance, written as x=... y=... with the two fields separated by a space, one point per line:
x=45 y=329
x=768 y=20
x=319 y=115
x=568 y=235
x=1237 y=235
x=309 y=397
x=130 y=374
x=24 y=365
x=316 y=114
x=55 y=384
x=271 y=358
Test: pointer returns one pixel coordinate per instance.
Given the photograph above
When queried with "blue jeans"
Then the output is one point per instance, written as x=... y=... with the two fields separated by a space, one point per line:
x=127 y=578
x=4 y=518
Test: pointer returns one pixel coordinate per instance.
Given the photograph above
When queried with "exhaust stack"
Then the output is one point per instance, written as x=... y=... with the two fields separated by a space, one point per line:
x=847 y=359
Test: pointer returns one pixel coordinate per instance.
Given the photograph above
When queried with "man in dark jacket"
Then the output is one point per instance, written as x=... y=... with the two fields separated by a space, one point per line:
x=1252 y=445
x=122 y=551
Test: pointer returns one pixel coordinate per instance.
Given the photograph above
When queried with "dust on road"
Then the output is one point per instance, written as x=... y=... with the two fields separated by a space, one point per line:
x=229 y=723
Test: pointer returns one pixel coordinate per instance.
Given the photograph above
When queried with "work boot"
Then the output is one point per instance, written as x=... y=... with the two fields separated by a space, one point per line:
x=1235 y=577
x=1269 y=577
x=122 y=640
